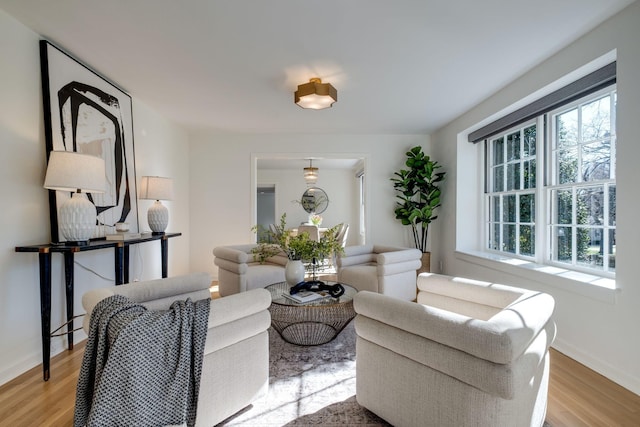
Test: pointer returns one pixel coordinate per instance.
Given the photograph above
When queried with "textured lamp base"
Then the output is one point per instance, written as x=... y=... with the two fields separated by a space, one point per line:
x=158 y=217
x=77 y=219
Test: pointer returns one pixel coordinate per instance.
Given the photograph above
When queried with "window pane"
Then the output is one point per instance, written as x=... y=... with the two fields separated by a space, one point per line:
x=495 y=210
x=567 y=129
x=596 y=160
x=498 y=151
x=495 y=237
x=498 y=178
x=564 y=205
x=513 y=146
x=563 y=240
x=529 y=141
x=509 y=208
x=589 y=250
x=567 y=167
x=513 y=176
x=596 y=119
x=529 y=174
x=612 y=250
x=590 y=206
x=612 y=205
x=527 y=208
x=527 y=240
x=509 y=237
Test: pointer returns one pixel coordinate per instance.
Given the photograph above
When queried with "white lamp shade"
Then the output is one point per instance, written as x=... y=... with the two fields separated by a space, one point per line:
x=71 y=171
x=311 y=175
x=156 y=188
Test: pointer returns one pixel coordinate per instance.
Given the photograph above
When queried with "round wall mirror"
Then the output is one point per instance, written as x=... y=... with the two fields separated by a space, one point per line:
x=314 y=200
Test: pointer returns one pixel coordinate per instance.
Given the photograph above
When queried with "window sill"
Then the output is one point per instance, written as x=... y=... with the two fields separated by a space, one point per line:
x=595 y=287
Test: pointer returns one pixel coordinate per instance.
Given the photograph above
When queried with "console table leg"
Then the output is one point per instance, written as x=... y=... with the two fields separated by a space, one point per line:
x=125 y=263
x=164 y=253
x=69 y=280
x=45 y=310
x=119 y=262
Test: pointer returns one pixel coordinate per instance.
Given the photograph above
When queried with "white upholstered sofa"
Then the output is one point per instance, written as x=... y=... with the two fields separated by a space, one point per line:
x=386 y=270
x=235 y=369
x=240 y=271
x=468 y=353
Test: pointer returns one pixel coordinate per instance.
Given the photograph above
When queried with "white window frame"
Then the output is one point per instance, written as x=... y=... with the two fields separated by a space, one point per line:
x=544 y=189
x=490 y=167
x=550 y=168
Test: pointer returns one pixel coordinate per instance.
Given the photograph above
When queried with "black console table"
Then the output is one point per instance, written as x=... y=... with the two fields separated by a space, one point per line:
x=121 y=253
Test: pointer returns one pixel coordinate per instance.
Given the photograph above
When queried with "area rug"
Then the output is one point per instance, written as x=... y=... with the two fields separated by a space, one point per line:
x=309 y=386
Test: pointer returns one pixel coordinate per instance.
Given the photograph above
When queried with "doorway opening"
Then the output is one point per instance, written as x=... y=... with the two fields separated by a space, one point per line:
x=265 y=210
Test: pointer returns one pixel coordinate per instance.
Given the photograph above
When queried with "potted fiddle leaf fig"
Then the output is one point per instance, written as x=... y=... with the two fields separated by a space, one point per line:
x=418 y=197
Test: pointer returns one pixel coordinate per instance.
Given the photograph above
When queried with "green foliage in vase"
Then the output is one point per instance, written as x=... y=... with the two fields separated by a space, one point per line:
x=297 y=246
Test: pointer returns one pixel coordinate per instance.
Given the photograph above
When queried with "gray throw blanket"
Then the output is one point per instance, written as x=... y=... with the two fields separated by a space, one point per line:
x=142 y=367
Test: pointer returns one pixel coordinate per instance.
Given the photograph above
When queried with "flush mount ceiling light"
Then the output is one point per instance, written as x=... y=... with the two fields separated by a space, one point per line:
x=310 y=174
x=316 y=95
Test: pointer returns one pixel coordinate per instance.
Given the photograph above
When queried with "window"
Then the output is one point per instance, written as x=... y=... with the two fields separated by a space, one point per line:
x=551 y=189
x=511 y=201
x=582 y=194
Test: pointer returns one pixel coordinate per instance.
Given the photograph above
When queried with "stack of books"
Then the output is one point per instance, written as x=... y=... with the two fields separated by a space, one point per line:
x=306 y=296
x=124 y=235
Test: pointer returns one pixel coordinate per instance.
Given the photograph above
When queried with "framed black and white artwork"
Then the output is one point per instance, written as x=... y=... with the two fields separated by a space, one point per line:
x=84 y=112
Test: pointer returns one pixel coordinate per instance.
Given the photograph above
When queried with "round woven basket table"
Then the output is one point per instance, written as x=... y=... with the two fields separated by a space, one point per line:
x=312 y=323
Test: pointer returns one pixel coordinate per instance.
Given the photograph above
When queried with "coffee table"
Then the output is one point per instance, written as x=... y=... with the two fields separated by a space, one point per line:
x=312 y=323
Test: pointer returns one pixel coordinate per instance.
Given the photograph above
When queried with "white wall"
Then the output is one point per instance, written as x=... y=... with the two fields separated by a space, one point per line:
x=160 y=149
x=221 y=187
x=598 y=331
x=341 y=187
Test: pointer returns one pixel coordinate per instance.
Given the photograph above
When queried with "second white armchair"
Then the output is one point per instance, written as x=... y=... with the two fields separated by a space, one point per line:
x=386 y=270
x=239 y=270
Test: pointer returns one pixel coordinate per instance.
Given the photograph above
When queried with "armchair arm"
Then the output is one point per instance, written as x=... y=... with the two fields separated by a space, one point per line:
x=239 y=254
x=234 y=267
x=354 y=255
x=387 y=255
x=237 y=317
x=398 y=260
x=236 y=306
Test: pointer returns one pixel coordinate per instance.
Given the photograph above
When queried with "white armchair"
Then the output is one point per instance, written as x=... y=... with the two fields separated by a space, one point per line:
x=386 y=270
x=468 y=353
x=237 y=336
x=239 y=270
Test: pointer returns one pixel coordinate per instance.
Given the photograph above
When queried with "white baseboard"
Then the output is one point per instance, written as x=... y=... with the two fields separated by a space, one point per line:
x=34 y=359
x=603 y=368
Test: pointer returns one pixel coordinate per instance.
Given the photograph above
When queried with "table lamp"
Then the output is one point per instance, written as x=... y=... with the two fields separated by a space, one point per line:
x=157 y=188
x=80 y=173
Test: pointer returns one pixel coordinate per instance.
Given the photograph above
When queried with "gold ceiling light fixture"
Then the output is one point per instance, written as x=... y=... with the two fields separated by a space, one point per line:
x=316 y=95
x=311 y=173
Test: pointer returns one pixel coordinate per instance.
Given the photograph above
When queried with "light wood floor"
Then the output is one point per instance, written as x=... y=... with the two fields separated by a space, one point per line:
x=578 y=396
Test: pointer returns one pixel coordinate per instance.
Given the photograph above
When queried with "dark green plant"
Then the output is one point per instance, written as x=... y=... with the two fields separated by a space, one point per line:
x=419 y=194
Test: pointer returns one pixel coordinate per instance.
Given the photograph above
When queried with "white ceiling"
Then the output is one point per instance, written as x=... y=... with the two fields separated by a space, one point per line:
x=400 y=66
